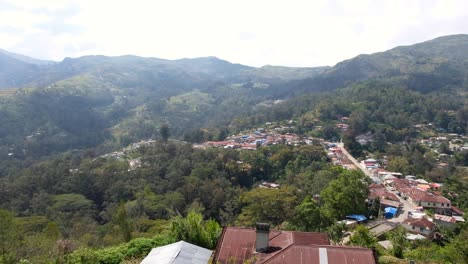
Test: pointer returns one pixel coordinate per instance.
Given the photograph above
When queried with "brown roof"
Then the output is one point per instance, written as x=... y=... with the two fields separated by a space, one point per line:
x=457 y=210
x=237 y=245
x=390 y=203
x=322 y=254
x=375 y=186
x=423 y=196
x=421 y=222
x=382 y=194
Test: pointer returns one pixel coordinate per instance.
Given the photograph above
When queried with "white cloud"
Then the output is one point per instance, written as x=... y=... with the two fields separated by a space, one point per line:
x=294 y=33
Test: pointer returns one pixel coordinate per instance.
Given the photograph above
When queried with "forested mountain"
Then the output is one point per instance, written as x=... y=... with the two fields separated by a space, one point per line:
x=15 y=72
x=80 y=103
x=112 y=101
x=424 y=67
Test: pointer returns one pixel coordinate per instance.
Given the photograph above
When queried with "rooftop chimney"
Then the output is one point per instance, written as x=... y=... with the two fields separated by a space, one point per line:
x=262 y=238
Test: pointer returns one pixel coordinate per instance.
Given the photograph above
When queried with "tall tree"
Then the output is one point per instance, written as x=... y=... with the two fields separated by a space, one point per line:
x=362 y=237
x=123 y=222
x=164 y=132
x=267 y=205
x=399 y=241
x=307 y=216
x=345 y=195
x=335 y=232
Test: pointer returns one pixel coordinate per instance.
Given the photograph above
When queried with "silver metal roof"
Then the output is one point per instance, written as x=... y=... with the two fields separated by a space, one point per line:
x=178 y=253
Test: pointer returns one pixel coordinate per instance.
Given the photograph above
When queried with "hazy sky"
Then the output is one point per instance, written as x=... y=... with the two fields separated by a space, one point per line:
x=252 y=32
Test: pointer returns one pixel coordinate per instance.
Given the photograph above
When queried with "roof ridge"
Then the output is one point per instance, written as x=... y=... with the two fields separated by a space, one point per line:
x=280 y=232
x=277 y=254
x=219 y=245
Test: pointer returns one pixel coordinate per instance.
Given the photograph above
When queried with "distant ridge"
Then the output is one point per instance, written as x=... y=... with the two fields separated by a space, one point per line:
x=26 y=59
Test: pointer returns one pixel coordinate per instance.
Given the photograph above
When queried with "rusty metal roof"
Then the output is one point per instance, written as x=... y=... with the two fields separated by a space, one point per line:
x=236 y=245
x=421 y=222
x=323 y=255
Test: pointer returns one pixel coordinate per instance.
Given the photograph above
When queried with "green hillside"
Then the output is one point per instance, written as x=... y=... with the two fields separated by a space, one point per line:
x=425 y=67
x=112 y=101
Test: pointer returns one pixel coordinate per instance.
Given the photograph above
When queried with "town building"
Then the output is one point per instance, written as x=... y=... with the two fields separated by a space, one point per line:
x=264 y=246
x=420 y=226
x=425 y=199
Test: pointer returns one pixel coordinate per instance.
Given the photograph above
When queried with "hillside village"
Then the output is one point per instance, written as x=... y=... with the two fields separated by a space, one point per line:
x=414 y=203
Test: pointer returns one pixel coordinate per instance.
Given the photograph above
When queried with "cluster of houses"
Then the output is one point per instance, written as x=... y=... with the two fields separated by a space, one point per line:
x=337 y=157
x=255 y=139
x=343 y=126
x=420 y=195
x=456 y=142
x=123 y=154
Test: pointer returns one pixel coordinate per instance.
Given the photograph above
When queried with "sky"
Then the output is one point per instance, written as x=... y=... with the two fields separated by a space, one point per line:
x=252 y=32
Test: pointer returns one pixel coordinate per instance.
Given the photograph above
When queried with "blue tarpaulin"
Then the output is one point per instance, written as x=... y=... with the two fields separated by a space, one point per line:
x=390 y=212
x=359 y=218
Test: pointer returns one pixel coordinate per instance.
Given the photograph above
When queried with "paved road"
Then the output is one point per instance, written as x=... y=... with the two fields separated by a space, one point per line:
x=351 y=158
x=407 y=206
x=403 y=212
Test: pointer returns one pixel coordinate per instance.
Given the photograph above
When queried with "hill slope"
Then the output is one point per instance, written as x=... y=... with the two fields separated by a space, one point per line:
x=83 y=102
x=424 y=67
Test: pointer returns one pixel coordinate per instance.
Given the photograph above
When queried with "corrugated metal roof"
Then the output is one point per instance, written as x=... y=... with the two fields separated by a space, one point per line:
x=178 y=253
x=323 y=255
x=390 y=203
x=421 y=222
x=445 y=218
x=237 y=245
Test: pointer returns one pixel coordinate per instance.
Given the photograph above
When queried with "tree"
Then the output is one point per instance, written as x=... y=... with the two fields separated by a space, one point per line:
x=399 y=164
x=362 y=237
x=379 y=142
x=267 y=205
x=164 y=132
x=444 y=148
x=123 y=222
x=194 y=230
x=399 y=241
x=330 y=132
x=307 y=216
x=335 y=232
x=358 y=122
x=345 y=195
x=352 y=145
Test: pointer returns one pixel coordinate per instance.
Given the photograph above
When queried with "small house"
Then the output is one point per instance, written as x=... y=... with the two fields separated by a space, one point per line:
x=420 y=226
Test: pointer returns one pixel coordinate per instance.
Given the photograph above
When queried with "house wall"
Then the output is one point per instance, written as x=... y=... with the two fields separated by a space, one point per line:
x=417 y=230
x=431 y=205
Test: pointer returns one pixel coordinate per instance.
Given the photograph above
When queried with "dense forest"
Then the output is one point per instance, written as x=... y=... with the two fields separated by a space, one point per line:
x=97 y=163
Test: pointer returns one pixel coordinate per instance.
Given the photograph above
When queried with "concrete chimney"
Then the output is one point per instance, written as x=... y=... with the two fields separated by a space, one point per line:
x=261 y=242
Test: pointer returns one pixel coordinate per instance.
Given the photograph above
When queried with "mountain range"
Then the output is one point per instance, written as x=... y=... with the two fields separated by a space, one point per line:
x=83 y=102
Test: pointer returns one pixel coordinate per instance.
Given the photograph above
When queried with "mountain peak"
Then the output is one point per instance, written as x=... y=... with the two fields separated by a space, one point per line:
x=25 y=59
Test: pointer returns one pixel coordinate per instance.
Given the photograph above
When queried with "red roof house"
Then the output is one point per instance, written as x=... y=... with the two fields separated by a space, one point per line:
x=419 y=225
x=262 y=246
